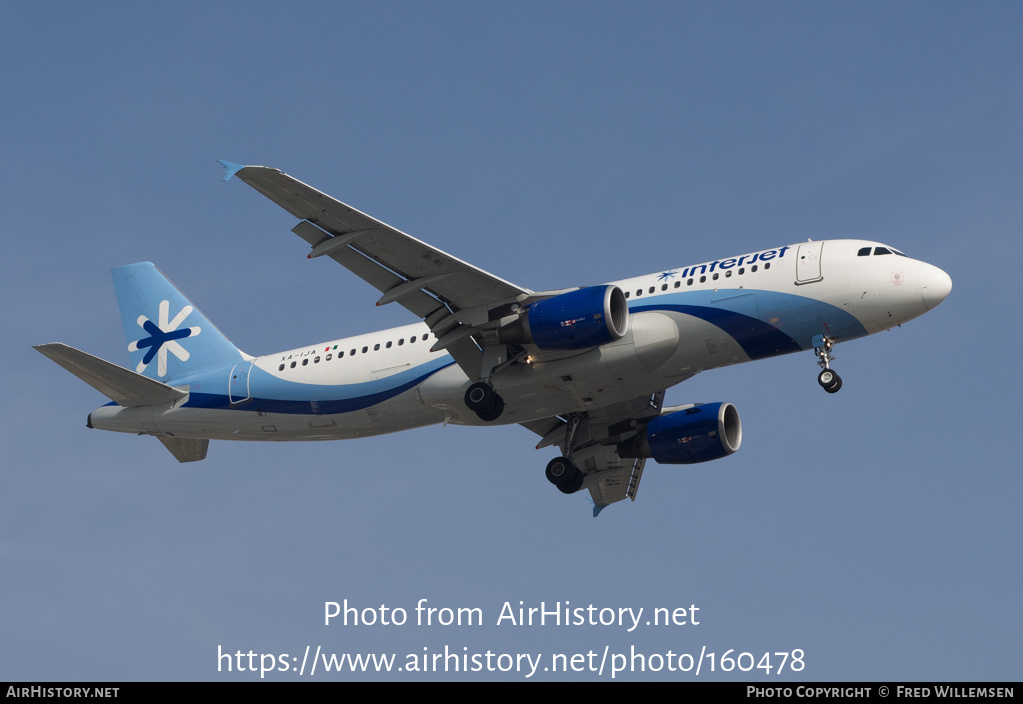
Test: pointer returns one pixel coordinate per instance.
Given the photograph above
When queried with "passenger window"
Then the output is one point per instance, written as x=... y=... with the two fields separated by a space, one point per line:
x=293 y=364
x=742 y=270
x=401 y=342
x=677 y=284
x=340 y=354
x=639 y=292
x=689 y=283
x=767 y=265
x=626 y=294
x=703 y=279
x=352 y=353
x=664 y=287
x=280 y=368
x=728 y=273
x=753 y=268
x=316 y=361
x=329 y=357
x=388 y=344
x=365 y=350
x=412 y=340
x=716 y=277
x=651 y=290
x=305 y=361
x=376 y=347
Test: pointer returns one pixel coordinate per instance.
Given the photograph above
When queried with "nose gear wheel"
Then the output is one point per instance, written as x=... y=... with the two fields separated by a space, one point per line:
x=829 y=381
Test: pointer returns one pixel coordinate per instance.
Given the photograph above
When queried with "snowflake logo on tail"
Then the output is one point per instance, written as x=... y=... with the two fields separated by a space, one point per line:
x=163 y=338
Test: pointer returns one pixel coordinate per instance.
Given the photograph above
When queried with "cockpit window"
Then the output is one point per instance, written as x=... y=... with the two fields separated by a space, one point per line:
x=895 y=251
x=864 y=252
x=881 y=250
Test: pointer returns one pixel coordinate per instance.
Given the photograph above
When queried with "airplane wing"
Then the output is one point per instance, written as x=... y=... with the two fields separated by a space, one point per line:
x=455 y=298
x=608 y=477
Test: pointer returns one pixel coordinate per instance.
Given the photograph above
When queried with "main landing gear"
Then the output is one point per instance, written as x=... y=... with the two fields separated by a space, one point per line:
x=484 y=401
x=829 y=380
x=561 y=471
x=481 y=398
x=564 y=475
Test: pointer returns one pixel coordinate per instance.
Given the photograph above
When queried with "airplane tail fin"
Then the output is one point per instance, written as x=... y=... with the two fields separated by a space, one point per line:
x=168 y=338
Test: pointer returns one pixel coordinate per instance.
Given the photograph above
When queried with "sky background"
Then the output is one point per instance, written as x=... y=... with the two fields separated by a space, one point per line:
x=553 y=144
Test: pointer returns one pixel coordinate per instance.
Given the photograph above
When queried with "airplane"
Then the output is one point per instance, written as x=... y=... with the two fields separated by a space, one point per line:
x=585 y=369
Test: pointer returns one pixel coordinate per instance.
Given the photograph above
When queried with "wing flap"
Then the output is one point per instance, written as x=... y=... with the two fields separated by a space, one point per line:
x=121 y=385
x=608 y=477
x=617 y=483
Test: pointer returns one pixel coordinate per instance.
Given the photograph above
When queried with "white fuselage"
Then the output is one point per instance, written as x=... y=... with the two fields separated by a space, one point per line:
x=682 y=321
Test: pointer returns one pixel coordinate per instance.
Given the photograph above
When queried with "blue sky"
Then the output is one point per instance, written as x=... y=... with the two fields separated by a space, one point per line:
x=552 y=144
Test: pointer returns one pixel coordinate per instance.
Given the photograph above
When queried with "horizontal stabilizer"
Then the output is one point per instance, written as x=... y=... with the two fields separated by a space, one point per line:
x=186 y=449
x=121 y=385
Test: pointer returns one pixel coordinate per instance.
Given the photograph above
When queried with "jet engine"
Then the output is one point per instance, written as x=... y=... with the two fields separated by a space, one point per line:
x=587 y=317
x=703 y=432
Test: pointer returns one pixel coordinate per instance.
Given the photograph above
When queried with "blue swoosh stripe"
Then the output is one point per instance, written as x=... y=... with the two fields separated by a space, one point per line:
x=742 y=313
x=311 y=406
x=757 y=338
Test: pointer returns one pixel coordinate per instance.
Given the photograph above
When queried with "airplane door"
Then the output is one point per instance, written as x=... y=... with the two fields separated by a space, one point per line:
x=238 y=385
x=808 y=263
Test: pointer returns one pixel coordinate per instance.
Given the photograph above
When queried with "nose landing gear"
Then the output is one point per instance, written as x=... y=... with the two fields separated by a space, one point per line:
x=829 y=380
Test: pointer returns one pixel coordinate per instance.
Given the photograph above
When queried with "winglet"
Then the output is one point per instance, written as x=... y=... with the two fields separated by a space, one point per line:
x=597 y=509
x=230 y=168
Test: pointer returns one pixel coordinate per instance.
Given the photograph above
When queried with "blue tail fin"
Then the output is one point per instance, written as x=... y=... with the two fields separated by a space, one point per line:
x=168 y=337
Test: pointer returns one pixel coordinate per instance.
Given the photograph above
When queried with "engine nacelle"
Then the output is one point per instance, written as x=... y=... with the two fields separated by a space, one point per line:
x=588 y=317
x=706 y=431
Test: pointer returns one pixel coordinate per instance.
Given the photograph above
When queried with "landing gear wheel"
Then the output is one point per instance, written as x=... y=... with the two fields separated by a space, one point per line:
x=495 y=411
x=829 y=381
x=480 y=397
x=572 y=486
x=564 y=475
x=482 y=400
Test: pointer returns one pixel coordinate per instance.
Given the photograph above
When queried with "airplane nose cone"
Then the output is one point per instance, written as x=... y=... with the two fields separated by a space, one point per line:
x=935 y=285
